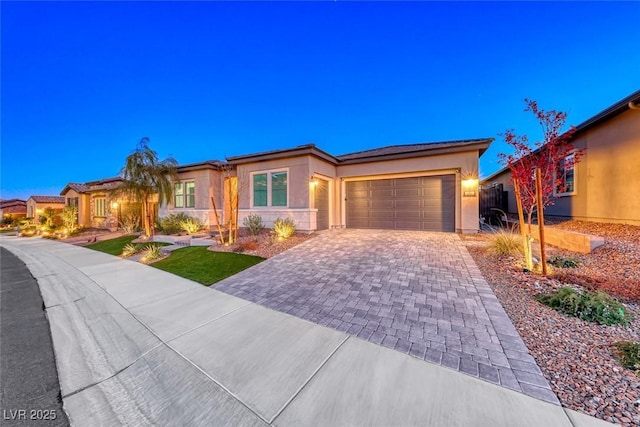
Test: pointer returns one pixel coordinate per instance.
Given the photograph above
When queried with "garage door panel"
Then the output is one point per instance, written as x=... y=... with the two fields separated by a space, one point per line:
x=382 y=204
x=381 y=184
x=417 y=203
x=410 y=192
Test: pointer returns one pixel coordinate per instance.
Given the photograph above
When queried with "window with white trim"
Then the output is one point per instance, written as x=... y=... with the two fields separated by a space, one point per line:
x=184 y=194
x=566 y=177
x=270 y=189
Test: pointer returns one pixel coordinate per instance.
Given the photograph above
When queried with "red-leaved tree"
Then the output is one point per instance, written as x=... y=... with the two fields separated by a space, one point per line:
x=552 y=154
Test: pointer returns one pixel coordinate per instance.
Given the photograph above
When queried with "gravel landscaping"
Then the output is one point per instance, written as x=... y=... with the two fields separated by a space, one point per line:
x=265 y=246
x=577 y=357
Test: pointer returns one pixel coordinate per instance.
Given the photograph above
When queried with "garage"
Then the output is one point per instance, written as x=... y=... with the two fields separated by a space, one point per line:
x=416 y=203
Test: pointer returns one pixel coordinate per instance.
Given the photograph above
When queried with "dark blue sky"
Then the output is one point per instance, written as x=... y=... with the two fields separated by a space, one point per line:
x=82 y=82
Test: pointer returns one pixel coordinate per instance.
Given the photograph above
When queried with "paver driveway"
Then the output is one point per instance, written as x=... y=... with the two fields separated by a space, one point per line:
x=416 y=292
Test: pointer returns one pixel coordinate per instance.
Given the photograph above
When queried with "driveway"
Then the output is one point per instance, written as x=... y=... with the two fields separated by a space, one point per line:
x=415 y=292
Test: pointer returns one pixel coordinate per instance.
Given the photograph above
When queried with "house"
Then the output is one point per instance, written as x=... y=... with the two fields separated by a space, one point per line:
x=600 y=187
x=37 y=204
x=13 y=208
x=426 y=186
x=96 y=206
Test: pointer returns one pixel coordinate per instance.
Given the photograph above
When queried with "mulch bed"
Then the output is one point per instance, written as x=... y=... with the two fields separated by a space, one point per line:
x=577 y=357
x=265 y=245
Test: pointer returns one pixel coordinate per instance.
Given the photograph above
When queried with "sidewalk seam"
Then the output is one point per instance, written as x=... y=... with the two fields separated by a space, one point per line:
x=313 y=374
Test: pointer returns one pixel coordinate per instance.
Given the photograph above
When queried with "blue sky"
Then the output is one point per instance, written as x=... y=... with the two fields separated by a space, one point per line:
x=82 y=82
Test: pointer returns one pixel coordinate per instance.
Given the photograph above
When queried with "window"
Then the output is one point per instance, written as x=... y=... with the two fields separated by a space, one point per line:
x=184 y=194
x=260 y=189
x=270 y=189
x=178 y=195
x=100 y=203
x=565 y=177
x=190 y=190
x=72 y=202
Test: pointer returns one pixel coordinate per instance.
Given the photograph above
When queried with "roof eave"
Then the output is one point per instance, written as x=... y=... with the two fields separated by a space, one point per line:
x=303 y=150
x=480 y=146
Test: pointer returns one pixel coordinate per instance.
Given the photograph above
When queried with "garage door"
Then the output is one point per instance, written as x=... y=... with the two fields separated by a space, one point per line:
x=420 y=203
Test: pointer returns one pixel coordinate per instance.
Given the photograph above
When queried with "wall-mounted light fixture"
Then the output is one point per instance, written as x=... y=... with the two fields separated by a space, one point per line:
x=469 y=185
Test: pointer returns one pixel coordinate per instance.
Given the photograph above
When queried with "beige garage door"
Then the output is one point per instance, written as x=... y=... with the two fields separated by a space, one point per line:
x=420 y=203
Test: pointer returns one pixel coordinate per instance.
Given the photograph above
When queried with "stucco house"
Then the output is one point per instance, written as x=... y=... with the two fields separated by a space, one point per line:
x=426 y=186
x=37 y=204
x=96 y=208
x=13 y=208
x=601 y=187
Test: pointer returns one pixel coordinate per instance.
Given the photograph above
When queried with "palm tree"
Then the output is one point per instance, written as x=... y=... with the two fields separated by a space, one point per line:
x=144 y=176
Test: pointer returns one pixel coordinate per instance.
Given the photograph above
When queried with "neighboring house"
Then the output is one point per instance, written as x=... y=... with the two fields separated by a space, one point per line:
x=199 y=187
x=96 y=207
x=601 y=187
x=13 y=208
x=428 y=186
x=37 y=204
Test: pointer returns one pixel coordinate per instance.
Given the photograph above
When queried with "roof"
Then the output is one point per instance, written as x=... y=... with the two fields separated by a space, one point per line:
x=604 y=115
x=410 y=150
x=12 y=202
x=300 y=150
x=610 y=112
x=106 y=184
x=47 y=199
x=207 y=164
x=376 y=154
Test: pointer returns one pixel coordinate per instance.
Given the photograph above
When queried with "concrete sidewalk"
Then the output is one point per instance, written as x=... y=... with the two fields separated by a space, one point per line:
x=138 y=346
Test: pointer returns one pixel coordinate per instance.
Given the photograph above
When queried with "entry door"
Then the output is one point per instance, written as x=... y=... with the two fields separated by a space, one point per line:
x=321 y=203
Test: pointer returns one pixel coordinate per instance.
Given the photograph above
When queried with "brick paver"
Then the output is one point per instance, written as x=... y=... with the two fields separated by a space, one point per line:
x=419 y=293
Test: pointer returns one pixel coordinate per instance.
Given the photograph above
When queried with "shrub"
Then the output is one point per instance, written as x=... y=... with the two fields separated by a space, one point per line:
x=254 y=224
x=131 y=249
x=70 y=218
x=153 y=252
x=130 y=221
x=629 y=355
x=593 y=307
x=283 y=228
x=562 y=262
x=191 y=225
x=506 y=242
x=172 y=224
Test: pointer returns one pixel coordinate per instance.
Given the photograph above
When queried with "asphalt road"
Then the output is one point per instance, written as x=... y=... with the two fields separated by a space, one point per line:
x=29 y=388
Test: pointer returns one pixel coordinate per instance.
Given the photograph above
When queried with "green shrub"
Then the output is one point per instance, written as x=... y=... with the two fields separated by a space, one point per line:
x=629 y=355
x=191 y=225
x=506 y=242
x=153 y=252
x=593 y=307
x=254 y=224
x=283 y=228
x=131 y=249
x=172 y=224
x=562 y=262
x=70 y=218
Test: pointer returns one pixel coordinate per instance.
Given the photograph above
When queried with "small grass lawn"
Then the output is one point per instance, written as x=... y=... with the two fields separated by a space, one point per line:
x=112 y=246
x=8 y=230
x=204 y=266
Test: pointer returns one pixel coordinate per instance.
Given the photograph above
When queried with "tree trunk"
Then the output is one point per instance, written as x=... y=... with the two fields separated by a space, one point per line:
x=145 y=216
x=524 y=231
x=543 y=255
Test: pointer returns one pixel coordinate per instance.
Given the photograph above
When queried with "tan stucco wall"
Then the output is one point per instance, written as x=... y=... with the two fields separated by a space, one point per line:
x=32 y=206
x=298 y=180
x=84 y=208
x=607 y=177
x=462 y=164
